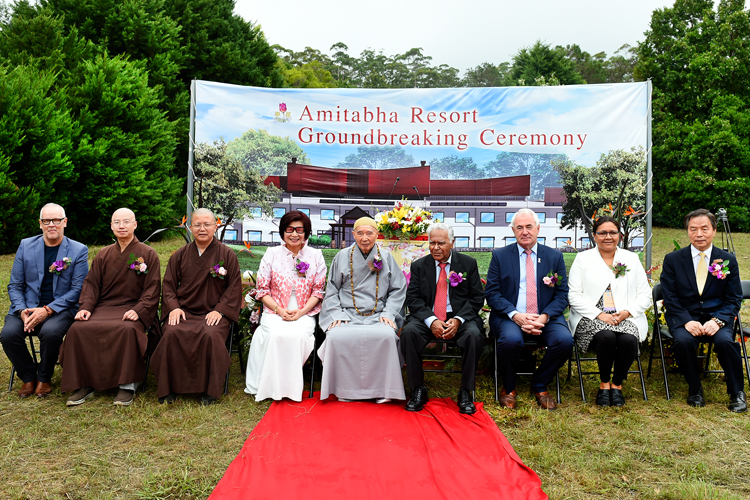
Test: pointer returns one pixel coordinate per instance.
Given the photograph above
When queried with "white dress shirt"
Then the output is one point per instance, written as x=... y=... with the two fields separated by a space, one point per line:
x=697 y=257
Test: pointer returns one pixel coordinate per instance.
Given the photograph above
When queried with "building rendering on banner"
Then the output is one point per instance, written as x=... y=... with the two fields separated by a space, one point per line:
x=480 y=210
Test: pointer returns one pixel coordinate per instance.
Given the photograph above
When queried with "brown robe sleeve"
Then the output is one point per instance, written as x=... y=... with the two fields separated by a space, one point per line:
x=92 y=285
x=169 y=301
x=230 y=302
x=149 y=301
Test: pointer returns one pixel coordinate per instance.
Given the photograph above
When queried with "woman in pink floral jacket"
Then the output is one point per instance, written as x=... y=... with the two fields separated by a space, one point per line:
x=290 y=284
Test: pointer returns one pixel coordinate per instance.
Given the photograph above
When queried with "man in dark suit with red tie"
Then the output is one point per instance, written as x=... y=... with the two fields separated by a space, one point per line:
x=702 y=295
x=444 y=299
x=527 y=289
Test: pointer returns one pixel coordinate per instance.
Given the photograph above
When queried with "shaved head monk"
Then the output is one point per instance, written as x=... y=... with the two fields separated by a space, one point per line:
x=202 y=296
x=106 y=345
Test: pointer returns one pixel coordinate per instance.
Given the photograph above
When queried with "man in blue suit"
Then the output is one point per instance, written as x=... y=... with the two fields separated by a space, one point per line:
x=45 y=283
x=528 y=300
x=702 y=295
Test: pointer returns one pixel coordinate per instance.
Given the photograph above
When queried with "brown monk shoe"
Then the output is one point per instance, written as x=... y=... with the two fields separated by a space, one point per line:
x=27 y=389
x=43 y=389
x=508 y=400
x=546 y=402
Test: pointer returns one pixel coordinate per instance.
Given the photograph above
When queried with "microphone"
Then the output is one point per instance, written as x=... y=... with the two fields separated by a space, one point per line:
x=417 y=190
x=394 y=187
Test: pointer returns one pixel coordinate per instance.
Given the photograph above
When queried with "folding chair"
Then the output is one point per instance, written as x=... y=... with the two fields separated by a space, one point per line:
x=319 y=338
x=529 y=346
x=742 y=331
x=661 y=334
x=233 y=328
x=34 y=356
x=581 y=373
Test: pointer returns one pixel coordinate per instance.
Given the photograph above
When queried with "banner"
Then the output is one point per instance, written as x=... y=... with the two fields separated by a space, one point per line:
x=462 y=133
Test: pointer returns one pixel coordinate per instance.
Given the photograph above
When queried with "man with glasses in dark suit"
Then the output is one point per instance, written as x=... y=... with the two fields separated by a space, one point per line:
x=45 y=284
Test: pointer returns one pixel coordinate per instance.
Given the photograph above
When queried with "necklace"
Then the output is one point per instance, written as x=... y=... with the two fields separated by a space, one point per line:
x=351 y=280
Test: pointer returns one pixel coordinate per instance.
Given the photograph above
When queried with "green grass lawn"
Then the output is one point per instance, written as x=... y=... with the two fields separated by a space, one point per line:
x=648 y=450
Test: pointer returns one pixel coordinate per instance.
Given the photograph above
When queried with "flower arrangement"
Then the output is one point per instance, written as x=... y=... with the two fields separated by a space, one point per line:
x=218 y=271
x=719 y=268
x=137 y=264
x=59 y=266
x=619 y=269
x=301 y=268
x=403 y=221
x=552 y=279
x=455 y=278
x=376 y=265
x=251 y=310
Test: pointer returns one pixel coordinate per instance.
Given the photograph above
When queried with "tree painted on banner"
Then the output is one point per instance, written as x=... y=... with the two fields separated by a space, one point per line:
x=265 y=153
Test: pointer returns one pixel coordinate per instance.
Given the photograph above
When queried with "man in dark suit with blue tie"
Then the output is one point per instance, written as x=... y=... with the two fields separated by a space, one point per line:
x=702 y=295
x=527 y=289
x=444 y=299
x=45 y=284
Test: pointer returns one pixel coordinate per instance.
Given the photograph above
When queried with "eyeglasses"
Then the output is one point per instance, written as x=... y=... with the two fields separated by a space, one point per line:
x=55 y=222
x=125 y=222
x=290 y=230
x=205 y=224
x=607 y=233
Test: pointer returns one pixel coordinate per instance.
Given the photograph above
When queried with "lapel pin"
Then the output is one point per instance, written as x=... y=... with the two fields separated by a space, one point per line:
x=539 y=261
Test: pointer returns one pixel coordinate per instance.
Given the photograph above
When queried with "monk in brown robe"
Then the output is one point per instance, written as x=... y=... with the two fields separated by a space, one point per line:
x=202 y=296
x=106 y=345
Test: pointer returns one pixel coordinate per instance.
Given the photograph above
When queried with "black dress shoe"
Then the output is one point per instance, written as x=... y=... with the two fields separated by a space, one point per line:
x=616 y=398
x=602 y=397
x=418 y=399
x=738 y=403
x=696 y=398
x=207 y=400
x=465 y=402
x=169 y=398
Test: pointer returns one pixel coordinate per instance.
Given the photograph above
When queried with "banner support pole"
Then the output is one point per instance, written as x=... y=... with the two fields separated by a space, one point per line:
x=649 y=178
x=191 y=154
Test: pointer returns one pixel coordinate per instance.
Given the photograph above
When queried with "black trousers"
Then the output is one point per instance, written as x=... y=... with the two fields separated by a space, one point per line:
x=727 y=351
x=616 y=348
x=416 y=335
x=50 y=332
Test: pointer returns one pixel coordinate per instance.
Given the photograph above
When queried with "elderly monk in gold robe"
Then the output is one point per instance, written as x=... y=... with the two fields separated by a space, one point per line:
x=202 y=297
x=106 y=345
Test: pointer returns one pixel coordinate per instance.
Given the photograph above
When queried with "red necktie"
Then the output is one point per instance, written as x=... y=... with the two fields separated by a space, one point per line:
x=531 y=307
x=441 y=294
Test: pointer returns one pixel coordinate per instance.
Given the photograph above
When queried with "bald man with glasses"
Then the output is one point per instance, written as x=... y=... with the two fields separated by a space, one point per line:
x=45 y=284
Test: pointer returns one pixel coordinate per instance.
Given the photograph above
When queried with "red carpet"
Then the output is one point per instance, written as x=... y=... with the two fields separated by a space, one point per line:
x=331 y=450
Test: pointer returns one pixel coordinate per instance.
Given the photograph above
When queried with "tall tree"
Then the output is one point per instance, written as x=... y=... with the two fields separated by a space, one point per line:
x=227 y=187
x=455 y=167
x=538 y=165
x=486 y=75
x=618 y=176
x=378 y=158
x=540 y=61
x=265 y=153
x=699 y=61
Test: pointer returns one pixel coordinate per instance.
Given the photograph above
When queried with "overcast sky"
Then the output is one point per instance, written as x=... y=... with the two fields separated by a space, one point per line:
x=462 y=34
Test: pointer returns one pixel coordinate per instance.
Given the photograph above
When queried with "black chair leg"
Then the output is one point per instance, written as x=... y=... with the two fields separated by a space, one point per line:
x=145 y=378
x=643 y=382
x=312 y=374
x=663 y=364
x=580 y=375
x=744 y=355
x=497 y=393
x=226 y=379
x=12 y=377
x=557 y=386
x=651 y=356
x=240 y=349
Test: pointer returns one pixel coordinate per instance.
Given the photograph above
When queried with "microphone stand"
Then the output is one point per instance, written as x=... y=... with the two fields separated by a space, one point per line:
x=420 y=197
x=394 y=187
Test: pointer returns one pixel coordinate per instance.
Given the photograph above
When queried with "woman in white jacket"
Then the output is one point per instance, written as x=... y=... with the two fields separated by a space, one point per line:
x=609 y=295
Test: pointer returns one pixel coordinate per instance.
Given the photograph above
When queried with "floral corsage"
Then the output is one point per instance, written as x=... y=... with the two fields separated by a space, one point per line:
x=218 y=271
x=551 y=280
x=376 y=265
x=59 y=266
x=619 y=269
x=301 y=268
x=137 y=264
x=455 y=278
x=719 y=268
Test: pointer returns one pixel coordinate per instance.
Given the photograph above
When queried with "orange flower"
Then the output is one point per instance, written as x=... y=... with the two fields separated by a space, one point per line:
x=218 y=222
x=184 y=219
x=248 y=245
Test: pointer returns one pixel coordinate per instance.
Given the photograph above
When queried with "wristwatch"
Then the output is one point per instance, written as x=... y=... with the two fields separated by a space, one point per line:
x=718 y=322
